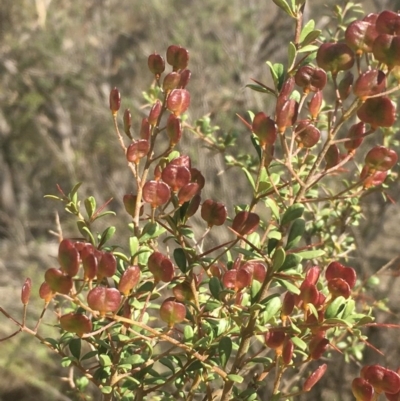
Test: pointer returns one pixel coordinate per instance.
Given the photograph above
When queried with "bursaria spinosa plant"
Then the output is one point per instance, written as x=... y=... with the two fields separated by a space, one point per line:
x=169 y=315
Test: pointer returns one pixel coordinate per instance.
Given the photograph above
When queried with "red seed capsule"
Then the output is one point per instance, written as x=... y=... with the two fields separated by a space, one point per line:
x=26 y=291
x=214 y=213
x=177 y=57
x=172 y=312
x=156 y=193
x=115 y=101
x=129 y=279
x=155 y=113
x=156 y=64
x=127 y=123
x=76 y=323
x=104 y=299
x=178 y=101
x=174 y=129
x=315 y=376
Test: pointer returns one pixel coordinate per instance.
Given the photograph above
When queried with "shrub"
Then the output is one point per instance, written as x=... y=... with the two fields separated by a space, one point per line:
x=170 y=314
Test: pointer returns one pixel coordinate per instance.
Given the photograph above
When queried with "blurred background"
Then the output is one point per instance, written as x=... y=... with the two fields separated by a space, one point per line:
x=58 y=62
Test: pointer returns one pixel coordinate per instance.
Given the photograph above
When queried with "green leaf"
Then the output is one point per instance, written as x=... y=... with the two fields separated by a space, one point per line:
x=133 y=245
x=75 y=346
x=275 y=397
x=283 y=5
x=269 y=202
x=180 y=259
x=223 y=325
x=187 y=232
x=51 y=341
x=335 y=307
x=215 y=287
x=121 y=256
x=259 y=88
x=311 y=37
x=84 y=230
x=295 y=233
x=74 y=190
x=196 y=365
x=262 y=359
x=277 y=72
x=106 y=213
x=90 y=354
x=337 y=321
x=267 y=299
x=349 y=308
x=291 y=55
x=275 y=234
x=254 y=289
x=289 y=286
x=296 y=96
x=151 y=231
x=254 y=239
x=188 y=334
x=90 y=206
x=365 y=320
x=225 y=350
x=293 y=212
x=106 y=235
x=308 y=48
x=66 y=361
x=299 y=343
x=271 y=309
x=105 y=360
x=106 y=389
x=291 y=262
x=307 y=28
x=294 y=328
x=278 y=259
x=249 y=177
x=166 y=362
x=311 y=254
x=235 y=378
x=250 y=394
